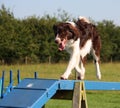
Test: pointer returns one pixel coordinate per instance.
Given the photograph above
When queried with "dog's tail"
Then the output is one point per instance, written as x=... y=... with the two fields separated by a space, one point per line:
x=83 y=19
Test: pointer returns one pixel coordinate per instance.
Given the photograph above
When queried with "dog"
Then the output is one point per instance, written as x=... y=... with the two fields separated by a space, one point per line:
x=78 y=39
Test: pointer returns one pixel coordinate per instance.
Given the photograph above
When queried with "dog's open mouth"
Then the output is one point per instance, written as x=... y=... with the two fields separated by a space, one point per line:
x=62 y=45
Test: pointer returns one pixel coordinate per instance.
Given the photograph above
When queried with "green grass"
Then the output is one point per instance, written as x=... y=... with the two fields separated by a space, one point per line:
x=103 y=99
x=96 y=99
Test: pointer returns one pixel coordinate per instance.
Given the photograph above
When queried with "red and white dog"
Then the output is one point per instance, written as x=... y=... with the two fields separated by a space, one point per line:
x=78 y=39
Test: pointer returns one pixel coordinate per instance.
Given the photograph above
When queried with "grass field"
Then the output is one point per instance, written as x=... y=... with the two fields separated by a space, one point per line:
x=96 y=99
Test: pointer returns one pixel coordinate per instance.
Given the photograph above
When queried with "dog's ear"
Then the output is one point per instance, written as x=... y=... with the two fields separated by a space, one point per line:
x=75 y=32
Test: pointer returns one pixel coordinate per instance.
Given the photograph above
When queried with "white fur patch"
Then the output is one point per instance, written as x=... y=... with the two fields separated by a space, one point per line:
x=86 y=48
x=72 y=46
x=72 y=23
x=84 y=19
x=58 y=39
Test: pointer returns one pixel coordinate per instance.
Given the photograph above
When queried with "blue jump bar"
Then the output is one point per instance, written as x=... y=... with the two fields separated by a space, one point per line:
x=90 y=85
x=101 y=85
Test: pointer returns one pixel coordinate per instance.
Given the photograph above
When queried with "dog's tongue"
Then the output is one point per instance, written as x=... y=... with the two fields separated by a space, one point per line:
x=62 y=46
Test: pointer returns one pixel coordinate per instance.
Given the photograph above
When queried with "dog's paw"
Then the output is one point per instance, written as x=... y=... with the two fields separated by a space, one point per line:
x=63 y=77
x=99 y=77
x=80 y=77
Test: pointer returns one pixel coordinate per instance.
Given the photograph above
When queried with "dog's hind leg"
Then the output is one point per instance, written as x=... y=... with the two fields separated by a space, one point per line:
x=96 y=57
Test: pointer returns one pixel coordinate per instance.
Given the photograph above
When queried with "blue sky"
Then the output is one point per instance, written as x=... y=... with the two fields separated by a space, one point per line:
x=96 y=9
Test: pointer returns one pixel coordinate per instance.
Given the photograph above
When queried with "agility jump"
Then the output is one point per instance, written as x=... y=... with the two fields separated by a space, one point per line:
x=35 y=92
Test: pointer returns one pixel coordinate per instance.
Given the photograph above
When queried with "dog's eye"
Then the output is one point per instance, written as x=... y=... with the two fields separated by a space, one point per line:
x=59 y=31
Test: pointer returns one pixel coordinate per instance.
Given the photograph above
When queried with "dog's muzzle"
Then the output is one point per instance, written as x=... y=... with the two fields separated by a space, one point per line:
x=61 y=44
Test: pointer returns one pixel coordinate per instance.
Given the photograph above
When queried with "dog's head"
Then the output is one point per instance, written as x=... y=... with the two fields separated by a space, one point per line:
x=65 y=32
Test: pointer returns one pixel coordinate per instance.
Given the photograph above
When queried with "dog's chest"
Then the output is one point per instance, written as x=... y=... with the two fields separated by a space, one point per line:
x=74 y=47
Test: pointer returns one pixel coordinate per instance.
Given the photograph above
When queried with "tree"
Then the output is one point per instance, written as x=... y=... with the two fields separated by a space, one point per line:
x=7 y=36
x=110 y=39
x=31 y=40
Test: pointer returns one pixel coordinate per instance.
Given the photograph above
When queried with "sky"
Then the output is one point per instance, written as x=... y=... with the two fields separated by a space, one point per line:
x=98 y=10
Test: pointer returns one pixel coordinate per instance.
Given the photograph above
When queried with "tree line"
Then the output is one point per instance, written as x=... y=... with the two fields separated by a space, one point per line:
x=31 y=40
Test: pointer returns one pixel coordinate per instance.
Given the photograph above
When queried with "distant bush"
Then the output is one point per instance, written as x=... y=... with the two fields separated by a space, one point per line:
x=31 y=40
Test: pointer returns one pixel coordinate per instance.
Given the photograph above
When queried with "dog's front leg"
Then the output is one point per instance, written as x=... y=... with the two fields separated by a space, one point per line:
x=71 y=65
